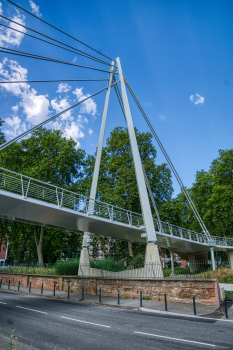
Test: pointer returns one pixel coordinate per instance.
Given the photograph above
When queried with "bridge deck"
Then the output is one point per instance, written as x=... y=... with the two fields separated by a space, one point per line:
x=29 y=200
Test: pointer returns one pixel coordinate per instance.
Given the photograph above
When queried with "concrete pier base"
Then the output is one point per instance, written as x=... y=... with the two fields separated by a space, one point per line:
x=151 y=269
x=230 y=258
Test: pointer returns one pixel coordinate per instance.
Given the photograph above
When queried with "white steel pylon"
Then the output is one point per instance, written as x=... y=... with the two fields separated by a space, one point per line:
x=152 y=254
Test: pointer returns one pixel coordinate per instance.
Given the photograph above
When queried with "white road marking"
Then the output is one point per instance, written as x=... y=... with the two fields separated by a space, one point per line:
x=183 y=315
x=25 y=308
x=94 y=324
x=176 y=339
x=1 y=302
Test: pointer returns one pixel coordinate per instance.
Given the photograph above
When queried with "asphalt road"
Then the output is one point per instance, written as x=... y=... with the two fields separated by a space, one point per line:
x=55 y=324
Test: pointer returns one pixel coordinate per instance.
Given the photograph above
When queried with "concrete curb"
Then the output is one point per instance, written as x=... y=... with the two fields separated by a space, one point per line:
x=182 y=315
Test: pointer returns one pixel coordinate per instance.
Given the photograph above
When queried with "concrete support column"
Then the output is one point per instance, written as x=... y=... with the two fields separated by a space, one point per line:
x=230 y=258
x=192 y=263
x=172 y=262
x=212 y=258
x=84 y=263
x=153 y=267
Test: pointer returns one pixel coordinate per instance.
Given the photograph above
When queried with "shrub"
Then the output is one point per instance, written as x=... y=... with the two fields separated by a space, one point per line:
x=108 y=265
x=67 y=268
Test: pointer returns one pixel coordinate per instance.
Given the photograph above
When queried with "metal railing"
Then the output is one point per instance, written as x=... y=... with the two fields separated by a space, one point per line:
x=194 y=269
x=31 y=188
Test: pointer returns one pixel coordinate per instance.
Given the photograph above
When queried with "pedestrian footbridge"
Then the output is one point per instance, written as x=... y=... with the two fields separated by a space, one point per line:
x=28 y=200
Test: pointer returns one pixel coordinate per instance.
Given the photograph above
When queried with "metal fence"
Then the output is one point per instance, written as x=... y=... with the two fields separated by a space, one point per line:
x=31 y=188
x=194 y=269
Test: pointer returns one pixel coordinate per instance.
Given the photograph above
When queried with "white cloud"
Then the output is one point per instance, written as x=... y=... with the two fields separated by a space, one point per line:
x=89 y=106
x=162 y=117
x=35 y=107
x=63 y=88
x=10 y=37
x=60 y=105
x=16 y=126
x=71 y=129
x=1 y=10
x=197 y=99
x=35 y=8
x=75 y=59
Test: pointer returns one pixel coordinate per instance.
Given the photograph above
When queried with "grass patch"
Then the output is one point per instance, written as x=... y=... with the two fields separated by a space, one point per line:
x=223 y=274
x=66 y=268
x=108 y=265
x=228 y=294
x=29 y=270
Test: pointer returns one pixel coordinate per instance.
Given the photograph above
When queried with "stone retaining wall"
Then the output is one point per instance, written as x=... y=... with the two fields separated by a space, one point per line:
x=206 y=291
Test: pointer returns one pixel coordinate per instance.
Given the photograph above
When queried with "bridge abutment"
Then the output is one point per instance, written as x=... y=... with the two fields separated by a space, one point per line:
x=230 y=258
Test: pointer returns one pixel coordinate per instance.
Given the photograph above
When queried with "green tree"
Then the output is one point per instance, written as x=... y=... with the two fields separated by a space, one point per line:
x=2 y=136
x=212 y=194
x=49 y=157
x=117 y=180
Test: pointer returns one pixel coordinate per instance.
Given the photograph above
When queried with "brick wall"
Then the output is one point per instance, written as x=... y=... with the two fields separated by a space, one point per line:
x=205 y=291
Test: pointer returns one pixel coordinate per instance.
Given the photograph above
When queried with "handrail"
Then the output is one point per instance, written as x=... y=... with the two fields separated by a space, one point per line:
x=65 y=198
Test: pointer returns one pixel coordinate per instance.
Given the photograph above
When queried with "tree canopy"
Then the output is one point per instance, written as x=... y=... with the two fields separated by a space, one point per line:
x=49 y=157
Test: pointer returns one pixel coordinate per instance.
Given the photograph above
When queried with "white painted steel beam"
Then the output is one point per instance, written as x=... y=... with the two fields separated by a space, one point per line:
x=143 y=195
x=95 y=177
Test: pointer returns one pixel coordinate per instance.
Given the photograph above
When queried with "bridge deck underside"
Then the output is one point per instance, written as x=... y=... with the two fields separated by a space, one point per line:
x=13 y=206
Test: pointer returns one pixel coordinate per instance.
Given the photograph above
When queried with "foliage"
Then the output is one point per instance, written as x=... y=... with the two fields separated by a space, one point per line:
x=67 y=268
x=117 y=181
x=47 y=156
x=228 y=294
x=31 y=270
x=108 y=264
x=212 y=193
x=2 y=137
x=223 y=274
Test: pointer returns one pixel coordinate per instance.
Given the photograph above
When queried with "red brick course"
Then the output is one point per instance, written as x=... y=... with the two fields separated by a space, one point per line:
x=205 y=291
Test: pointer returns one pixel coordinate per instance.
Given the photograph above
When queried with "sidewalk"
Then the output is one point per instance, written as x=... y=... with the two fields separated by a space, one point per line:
x=212 y=311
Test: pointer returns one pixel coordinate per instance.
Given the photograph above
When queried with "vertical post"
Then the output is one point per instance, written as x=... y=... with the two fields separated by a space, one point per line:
x=100 y=295
x=18 y=286
x=165 y=301
x=30 y=284
x=118 y=297
x=225 y=306
x=143 y=194
x=98 y=155
x=194 y=306
x=82 y=293
x=212 y=258
x=54 y=286
x=42 y=285
x=216 y=255
x=68 y=292
x=1 y=283
x=172 y=262
x=9 y=284
x=140 y=298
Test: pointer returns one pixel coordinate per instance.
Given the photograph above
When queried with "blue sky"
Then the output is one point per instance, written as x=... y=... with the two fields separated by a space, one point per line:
x=176 y=55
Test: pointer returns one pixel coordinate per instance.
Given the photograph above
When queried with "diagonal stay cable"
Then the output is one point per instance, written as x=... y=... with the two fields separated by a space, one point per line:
x=146 y=179
x=77 y=51
x=26 y=54
x=60 y=30
x=6 y=144
x=206 y=232
x=47 y=81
